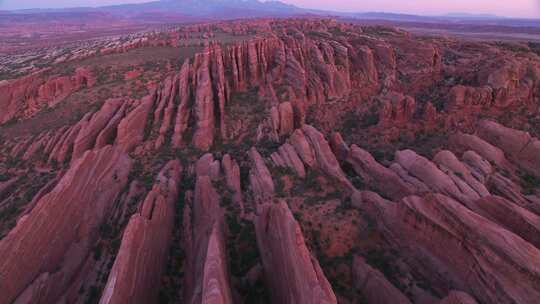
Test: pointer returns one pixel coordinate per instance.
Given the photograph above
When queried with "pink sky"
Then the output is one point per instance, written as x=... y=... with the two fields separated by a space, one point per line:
x=517 y=8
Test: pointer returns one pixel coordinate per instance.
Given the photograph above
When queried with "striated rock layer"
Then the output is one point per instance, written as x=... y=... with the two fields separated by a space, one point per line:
x=293 y=274
x=56 y=237
x=136 y=273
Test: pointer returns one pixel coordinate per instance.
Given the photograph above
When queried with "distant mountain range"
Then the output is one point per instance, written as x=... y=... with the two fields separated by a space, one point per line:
x=232 y=9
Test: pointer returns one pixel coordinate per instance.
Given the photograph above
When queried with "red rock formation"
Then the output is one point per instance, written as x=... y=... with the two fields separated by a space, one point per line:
x=131 y=129
x=520 y=146
x=282 y=118
x=301 y=145
x=206 y=272
x=373 y=286
x=183 y=111
x=136 y=273
x=26 y=96
x=396 y=109
x=510 y=216
x=86 y=138
x=108 y=134
x=434 y=178
x=169 y=94
x=292 y=273
x=61 y=152
x=204 y=103
x=232 y=177
x=286 y=156
x=459 y=172
x=469 y=98
x=260 y=178
x=323 y=155
x=483 y=148
x=338 y=145
x=378 y=176
x=56 y=237
x=457 y=297
x=479 y=256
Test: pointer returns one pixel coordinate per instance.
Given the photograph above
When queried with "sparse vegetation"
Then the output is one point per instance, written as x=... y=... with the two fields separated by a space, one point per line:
x=529 y=183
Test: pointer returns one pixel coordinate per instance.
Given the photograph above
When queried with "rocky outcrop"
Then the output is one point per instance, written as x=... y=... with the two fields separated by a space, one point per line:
x=340 y=148
x=56 y=237
x=282 y=119
x=292 y=273
x=396 y=109
x=520 y=146
x=373 y=286
x=183 y=111
x=136 y=273
x=480 y=146
x=377 y=176
x=287 y=157
x=458 y=297
x=168 y=95
x=469 y=99
x=260 y=178
x=231 y=170
x=86 y=139
x=131 y=130
x=24 y=97
x=510 y=216
x=207 y=277
x=480 y=257
x=459 y=172
x=211 y=93
x=426 y=171
x=319 y=153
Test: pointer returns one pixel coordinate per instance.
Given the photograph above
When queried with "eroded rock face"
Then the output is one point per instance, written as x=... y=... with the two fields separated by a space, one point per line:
x=511 y=216
x=380 y=177
x=483 y=148
x=56 y=237
x=465 y=241
x=373 y=286
x=207 y=276
x=420 y=167
x=260 y=178
x=132 y=128
x=86 y=138
x=458 y=297
x=136 y=273
x=396 y=109
x=183 y=111
x=287 y=157
x=204 y=104
x=24 y=97
x=293 y=275
x=324 y=156
x=520 y=146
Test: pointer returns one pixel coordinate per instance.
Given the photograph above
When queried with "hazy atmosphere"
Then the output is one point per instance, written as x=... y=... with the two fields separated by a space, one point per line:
x=516 y=8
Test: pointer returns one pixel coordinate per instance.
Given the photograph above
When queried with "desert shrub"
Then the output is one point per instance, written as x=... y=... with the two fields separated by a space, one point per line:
x=529 y=183
x=4 y=177
x=371 y=118
x=535 y=47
